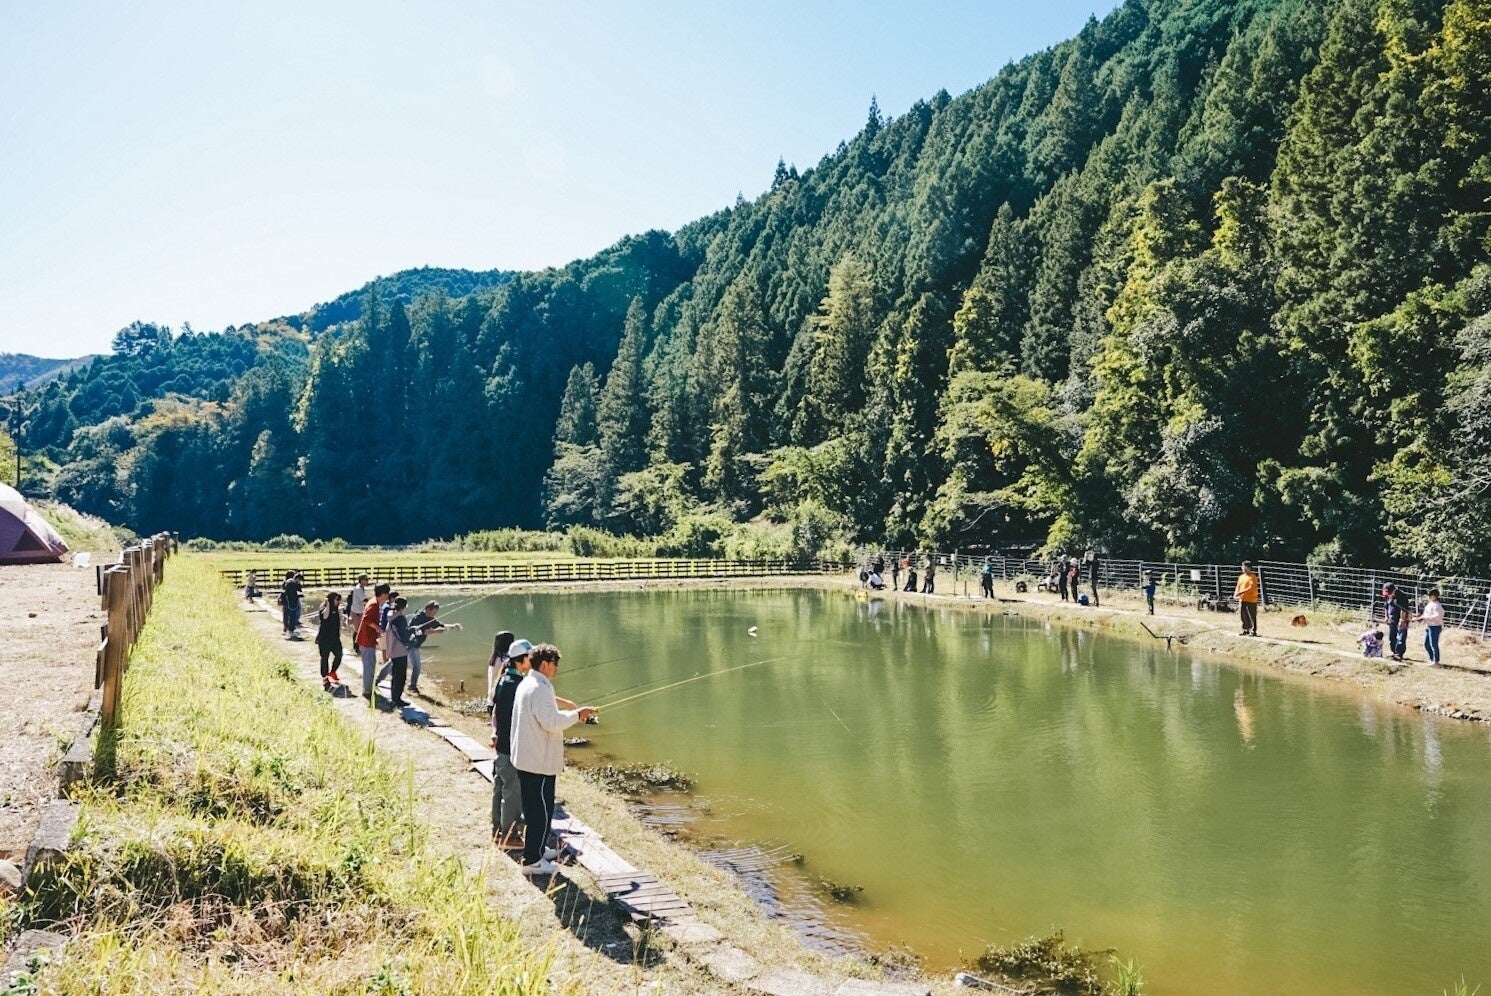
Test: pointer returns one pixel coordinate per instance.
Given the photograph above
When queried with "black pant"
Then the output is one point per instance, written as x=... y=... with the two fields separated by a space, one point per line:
x=1061 y=586
x=1249 y=612
x=928 y=587
x=988 y=583
x=538 y=813
x=400 y=675
x=332 y=654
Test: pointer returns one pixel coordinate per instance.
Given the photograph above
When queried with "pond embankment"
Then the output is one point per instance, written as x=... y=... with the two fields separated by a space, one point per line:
x=1323 y=646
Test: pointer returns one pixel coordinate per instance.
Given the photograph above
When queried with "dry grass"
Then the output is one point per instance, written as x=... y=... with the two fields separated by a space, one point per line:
x=253 y=842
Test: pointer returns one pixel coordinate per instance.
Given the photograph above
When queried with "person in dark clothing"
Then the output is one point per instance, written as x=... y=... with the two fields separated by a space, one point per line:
x=1073 y=576
x=986 y=579
x=329 y=638
x=290 y=604
x=1061 y=585
x=400 y=636
x=929 y=586
x=910 y=577
x=878 y=566
x=507 y=793
x=1150 y=587
x=1397 y=609
x=423 y=624
x=895 y=574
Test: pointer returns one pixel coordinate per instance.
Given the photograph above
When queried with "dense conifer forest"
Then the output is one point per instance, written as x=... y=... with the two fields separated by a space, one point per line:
x=1209 y=279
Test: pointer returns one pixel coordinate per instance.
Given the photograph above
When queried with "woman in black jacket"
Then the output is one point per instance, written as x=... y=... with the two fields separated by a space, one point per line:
x=329 y=638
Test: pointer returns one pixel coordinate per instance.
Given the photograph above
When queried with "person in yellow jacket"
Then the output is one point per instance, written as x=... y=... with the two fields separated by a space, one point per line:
x=1246 y=593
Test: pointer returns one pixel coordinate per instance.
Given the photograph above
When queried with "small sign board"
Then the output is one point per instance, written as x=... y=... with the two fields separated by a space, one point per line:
x=1195 y=574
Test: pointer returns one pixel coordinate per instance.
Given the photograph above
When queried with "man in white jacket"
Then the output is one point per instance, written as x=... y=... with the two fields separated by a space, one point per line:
x=538 y=752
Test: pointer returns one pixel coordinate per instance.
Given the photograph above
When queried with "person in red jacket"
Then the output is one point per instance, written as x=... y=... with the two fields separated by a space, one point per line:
x=368 y=632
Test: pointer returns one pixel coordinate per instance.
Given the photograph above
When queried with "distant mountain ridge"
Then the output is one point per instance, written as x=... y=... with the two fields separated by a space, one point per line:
x=33 y=371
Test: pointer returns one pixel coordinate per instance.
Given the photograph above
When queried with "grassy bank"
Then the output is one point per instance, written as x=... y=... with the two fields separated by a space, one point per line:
x=253 y=842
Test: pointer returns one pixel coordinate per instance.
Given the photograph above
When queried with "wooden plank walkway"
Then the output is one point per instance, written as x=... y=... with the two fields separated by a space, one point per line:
x=642 y=896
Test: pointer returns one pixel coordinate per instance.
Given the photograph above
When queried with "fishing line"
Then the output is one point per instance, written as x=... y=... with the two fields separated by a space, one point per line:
x=845 y=726
x=640 y=684
x=587 y=667
x=685 y=681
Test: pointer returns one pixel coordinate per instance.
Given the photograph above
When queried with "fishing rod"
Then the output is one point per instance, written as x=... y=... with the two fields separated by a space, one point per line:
x=587 y=667
x=478 y=598
x=685 y=681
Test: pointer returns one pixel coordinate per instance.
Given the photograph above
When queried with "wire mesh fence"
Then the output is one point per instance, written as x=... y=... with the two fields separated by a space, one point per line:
x=1354 y=590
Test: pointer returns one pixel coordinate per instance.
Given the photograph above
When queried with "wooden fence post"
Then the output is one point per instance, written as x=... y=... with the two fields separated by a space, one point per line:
x=116 y=599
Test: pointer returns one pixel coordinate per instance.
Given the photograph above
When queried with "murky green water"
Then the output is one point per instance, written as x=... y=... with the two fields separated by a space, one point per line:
x=984 y=778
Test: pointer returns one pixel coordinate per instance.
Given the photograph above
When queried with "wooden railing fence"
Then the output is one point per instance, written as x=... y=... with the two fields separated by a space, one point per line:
x=127 y=590
x=419 y=575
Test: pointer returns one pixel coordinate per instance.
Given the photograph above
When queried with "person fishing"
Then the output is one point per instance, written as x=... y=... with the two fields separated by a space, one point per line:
x=986 y=578
x=329 y=639
x=369 y=636
x=539 y=722
x=501 y=648
x=399 y=636
x=507 y=791
x=423 y=625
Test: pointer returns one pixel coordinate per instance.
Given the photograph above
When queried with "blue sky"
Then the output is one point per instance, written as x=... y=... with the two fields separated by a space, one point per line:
x=218 y=162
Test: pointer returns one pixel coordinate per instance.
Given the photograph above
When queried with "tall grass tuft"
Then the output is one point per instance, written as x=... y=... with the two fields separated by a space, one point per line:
x=253 y=842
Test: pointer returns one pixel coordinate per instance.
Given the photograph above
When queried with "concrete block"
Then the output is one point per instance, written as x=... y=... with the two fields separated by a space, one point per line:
x=77 y=764
x=11 y=879
x=692 y=933
x=730 y=964
x=53 y=837
x=790 y=982
x=860 y=987
x=30 y=942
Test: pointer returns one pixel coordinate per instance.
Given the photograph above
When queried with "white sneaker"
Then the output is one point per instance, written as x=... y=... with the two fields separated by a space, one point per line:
x=544 y=867
x=550 y=854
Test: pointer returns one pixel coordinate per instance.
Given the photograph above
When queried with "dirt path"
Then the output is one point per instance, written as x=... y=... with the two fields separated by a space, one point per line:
x=50 y=632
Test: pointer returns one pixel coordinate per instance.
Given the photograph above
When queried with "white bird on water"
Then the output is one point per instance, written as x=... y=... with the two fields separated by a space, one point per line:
x=751 y=631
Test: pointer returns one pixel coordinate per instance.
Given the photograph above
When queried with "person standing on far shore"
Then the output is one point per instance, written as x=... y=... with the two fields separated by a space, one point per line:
x=1150 y=587
x=929 y=586
x=538 y=753
x=1246 y=593
x=1433 y=619
x=1061 y=577
x=895 y=573
x=1397 y=610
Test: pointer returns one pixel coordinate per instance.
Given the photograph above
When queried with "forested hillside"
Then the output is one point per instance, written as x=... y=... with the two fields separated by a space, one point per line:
x=1210 y=278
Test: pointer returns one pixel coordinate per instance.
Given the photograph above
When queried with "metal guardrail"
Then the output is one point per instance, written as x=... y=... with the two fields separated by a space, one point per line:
x=1467 y=601
x=533 y=572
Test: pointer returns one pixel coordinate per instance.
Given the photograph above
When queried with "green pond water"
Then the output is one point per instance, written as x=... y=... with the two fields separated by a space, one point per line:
x=985 y=777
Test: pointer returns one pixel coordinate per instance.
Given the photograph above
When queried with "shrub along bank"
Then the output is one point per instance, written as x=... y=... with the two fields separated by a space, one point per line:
x=251 y=841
